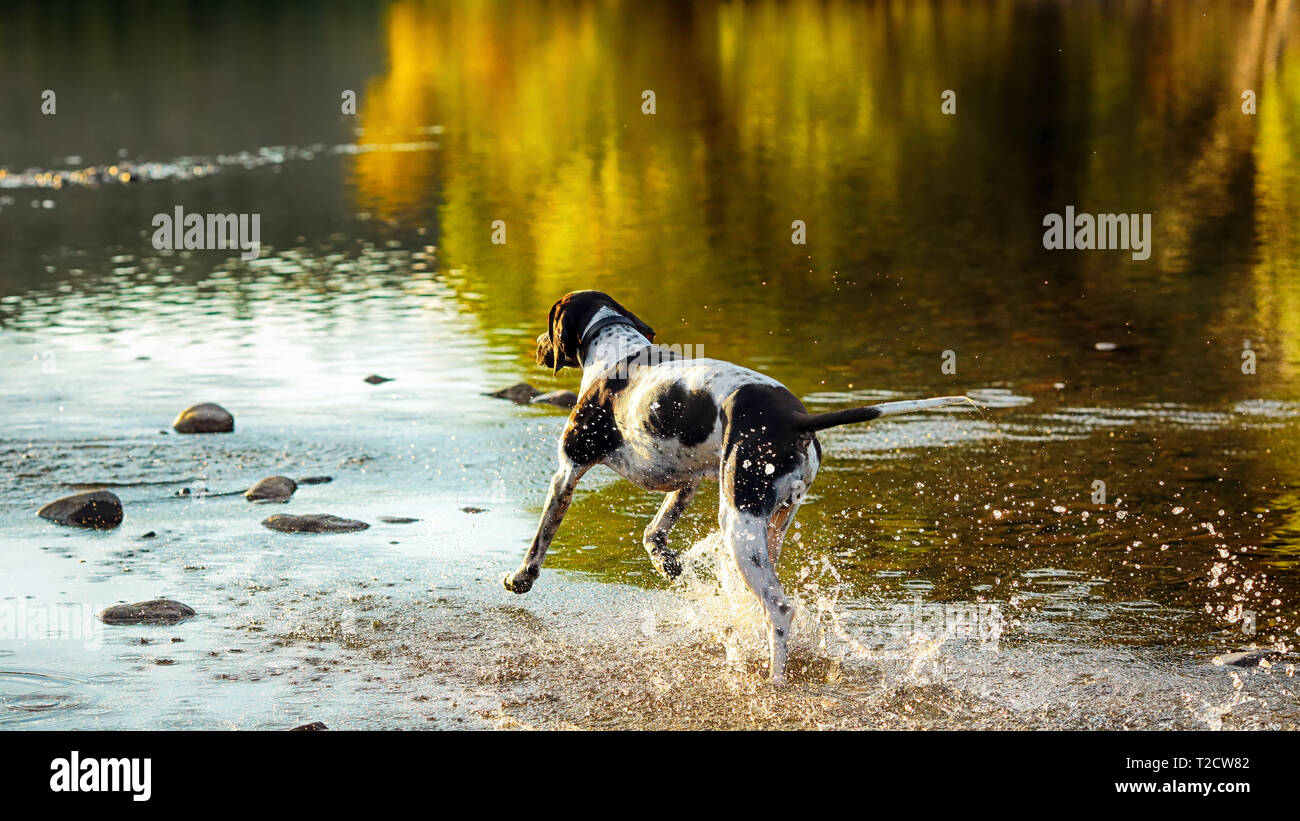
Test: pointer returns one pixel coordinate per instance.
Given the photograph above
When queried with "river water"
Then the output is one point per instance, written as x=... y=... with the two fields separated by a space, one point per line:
x=1124 y=509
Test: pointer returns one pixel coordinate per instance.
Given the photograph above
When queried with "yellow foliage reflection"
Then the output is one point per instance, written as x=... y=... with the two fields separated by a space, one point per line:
x=829 y=113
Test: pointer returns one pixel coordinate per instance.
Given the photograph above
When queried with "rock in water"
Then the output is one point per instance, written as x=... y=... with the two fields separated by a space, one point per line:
x=1245 y=658
x=376 y=379
x=313 y=523
x=272 y=489
x=205 y=418
x=99 y=509
x=315 y=480
x=561 y=399
x=156 y=611
x=397 y=520
x=520 y=394
x=315 y=725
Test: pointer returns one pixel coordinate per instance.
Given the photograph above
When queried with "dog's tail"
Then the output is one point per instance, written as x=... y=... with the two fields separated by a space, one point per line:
x=821 y=421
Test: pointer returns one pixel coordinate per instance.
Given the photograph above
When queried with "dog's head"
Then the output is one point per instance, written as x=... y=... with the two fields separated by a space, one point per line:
x=560 y=345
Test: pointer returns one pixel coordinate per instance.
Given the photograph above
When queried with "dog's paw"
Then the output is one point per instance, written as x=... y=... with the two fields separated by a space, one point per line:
x=666 y=562
x=520 y=581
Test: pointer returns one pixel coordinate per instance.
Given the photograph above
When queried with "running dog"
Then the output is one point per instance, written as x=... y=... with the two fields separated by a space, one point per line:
x=665 y=423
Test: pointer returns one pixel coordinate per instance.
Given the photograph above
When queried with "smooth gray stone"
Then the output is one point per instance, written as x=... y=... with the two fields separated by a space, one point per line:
x=313 y=523
x=155 y=611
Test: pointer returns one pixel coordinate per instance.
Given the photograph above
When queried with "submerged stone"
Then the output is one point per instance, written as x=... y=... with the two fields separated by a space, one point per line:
x=1244 y=658
x=313 y=523
x=520 y=394
x=561 y=399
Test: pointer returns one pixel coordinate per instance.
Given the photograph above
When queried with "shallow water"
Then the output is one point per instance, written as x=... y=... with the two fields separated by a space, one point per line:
x=953 y=569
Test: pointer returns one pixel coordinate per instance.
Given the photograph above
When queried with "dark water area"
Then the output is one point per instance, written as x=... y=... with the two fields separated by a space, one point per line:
x=954 y=569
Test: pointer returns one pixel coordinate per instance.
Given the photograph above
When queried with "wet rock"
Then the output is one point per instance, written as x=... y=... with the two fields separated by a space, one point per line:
x=376 y=379
x=315 y=725
x=520 y=394
x=313 y=523
x=561 y=399
x=1115 y=347
x=156 y=611
x=397 y=520
x=272 y=489
x=204 y=418
x=97 y=509
x=472 y=509
x=149 y=535
x=315 y=480
x=1244 y=658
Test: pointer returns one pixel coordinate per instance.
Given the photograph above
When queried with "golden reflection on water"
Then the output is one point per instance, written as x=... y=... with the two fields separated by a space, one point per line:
x=829 y=113
x=924 y=229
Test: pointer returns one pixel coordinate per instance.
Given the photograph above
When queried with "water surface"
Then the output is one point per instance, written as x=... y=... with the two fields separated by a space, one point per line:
x=954 y=569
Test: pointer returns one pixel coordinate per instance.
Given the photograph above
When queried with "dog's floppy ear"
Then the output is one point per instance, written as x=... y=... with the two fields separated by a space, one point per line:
x=570 y=317
x=564 y=337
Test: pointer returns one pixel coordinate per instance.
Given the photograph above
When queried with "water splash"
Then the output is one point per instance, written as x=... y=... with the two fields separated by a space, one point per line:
x=1212 y=715
x=907 y=637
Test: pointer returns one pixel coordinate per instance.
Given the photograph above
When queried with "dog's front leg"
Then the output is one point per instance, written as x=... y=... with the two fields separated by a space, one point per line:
x=656 y=533
x=557 y=504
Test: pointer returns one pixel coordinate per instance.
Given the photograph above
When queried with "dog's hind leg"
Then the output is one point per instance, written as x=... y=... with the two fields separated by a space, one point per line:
x=656 y=533
x=557 y=504
x=747 y=535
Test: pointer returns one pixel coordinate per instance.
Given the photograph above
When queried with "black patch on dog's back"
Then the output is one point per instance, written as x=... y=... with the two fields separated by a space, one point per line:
x=760 y=431
x=676 y=412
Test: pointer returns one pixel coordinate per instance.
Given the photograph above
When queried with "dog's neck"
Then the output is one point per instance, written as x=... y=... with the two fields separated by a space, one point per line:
x=608 y=340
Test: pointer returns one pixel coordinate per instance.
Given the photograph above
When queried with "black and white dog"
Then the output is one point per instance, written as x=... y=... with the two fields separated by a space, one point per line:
x=665 y=422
